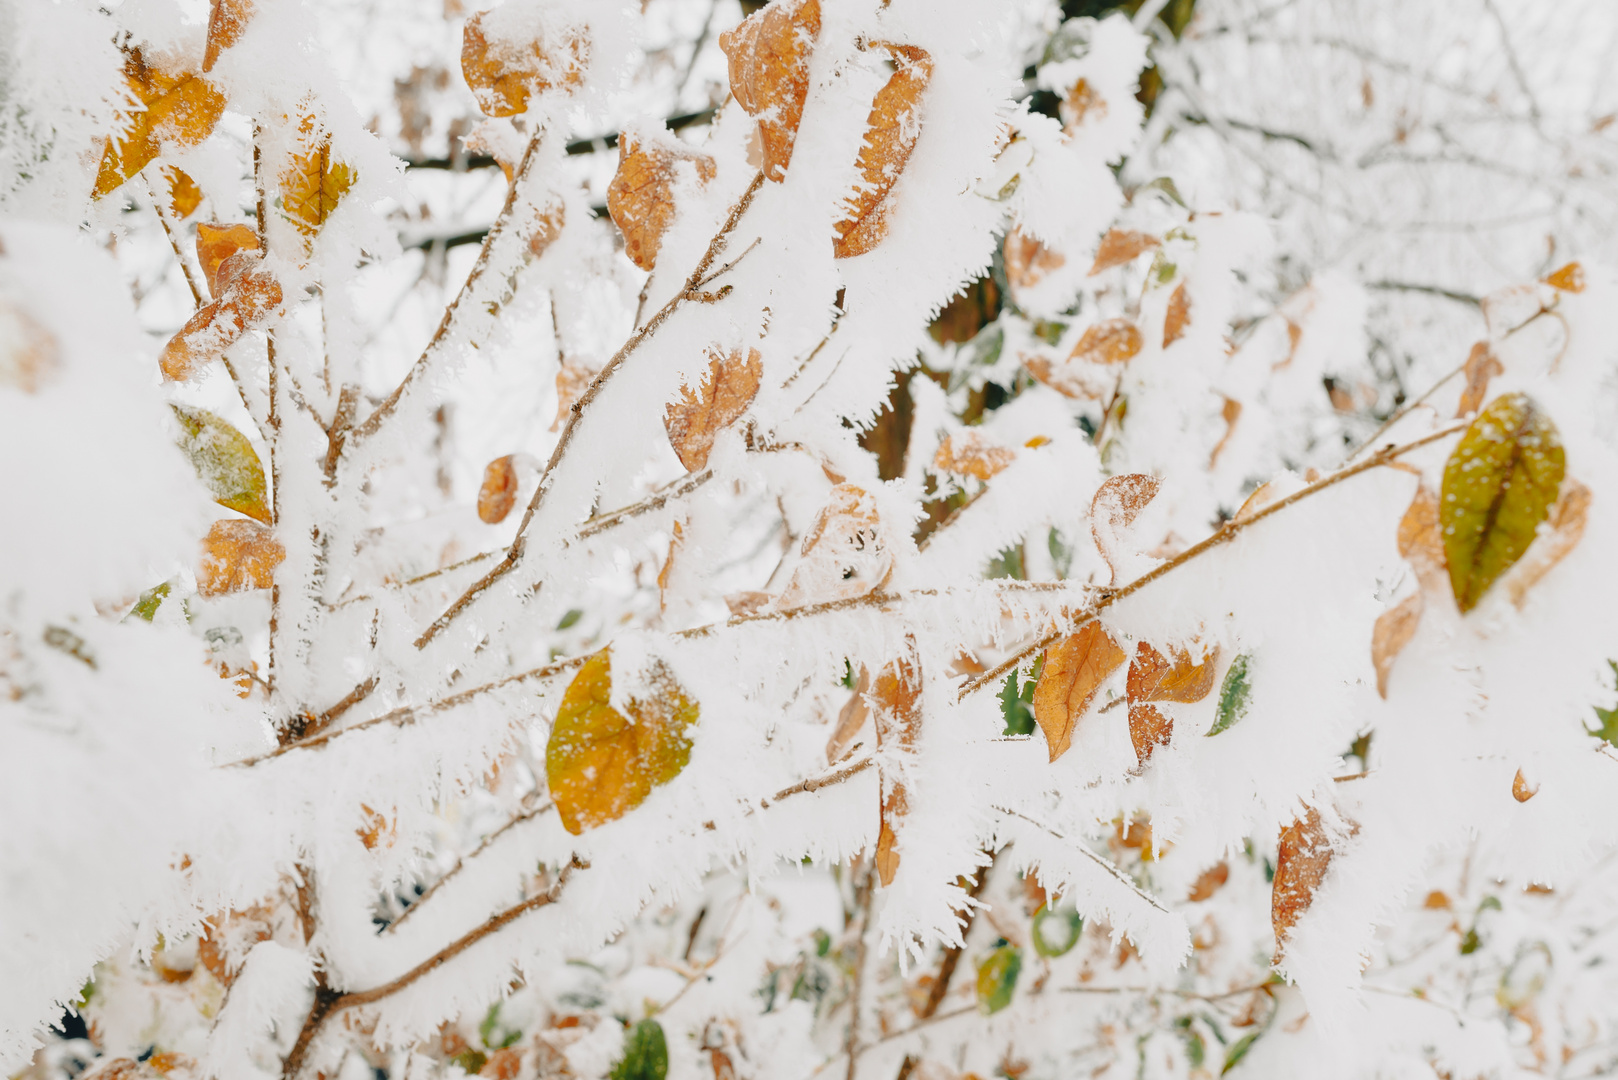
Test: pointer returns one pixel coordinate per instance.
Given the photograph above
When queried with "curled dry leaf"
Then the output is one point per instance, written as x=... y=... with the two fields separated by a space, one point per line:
x=1120 y=246
x=184 y=194
x=1566 y=529
x=573 y=378
x=28 y=353
x=1302 y=858
x=1027 y=260
x=896 y=712
x=1178 y=317
x=215 y=244
x=1393 y=630
x=1074 y=670
x=850 y=720
x=226 y=21
x=971 y=454
x=1263 y=496
x=769 y=74
x=728 y=388
x=225 y=461
x=1081 y=104
x=1569 y=278
x=312 y=183
x=641 y=195
x=503 y=71
x=1112 y=341
x=891 y=133
x=1520 y=788
x=180 y=108
x=498 y=492
x=1116 y=505
x=1229 y=412
x=1481 y=366
x=249 y=295
x=601 y=764
x=238 y=556
x=844 y=552
x=1499 y=484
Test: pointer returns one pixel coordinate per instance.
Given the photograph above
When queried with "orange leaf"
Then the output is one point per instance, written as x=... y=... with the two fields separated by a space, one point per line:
x=1116 y=505
x=1262 y=497
x=971 y=454
x=1520 y=789
x=769 y=73
x=1422 y=543
x=1569 y=278
x=1120 y=246
x=1074 y=670
x=850 y=719
x=1148 y=729
x=498 y=492
x=249 y=295
x=1230 y=412
x=238 y=556
x=377 y=829
x=1028 y=260
x=896 y=697
x=1393 y=631
x=184 y=195
x=503 y=72
x=1481 y=365
x=1302 y=857
x=1209 y=882
x=216 y=243
x=181 y=109
x=1178 y=316
x=1153 y=677
x=1113 y=341
x=546 y=228
x=1081 y=102
x=641 y=195
x=573 y=378
x=1566 y=521
x=226 y=21
x=891 y=133
x=727 y=389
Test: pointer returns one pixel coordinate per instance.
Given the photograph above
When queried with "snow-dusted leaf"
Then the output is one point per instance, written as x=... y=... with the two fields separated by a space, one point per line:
x=1081 y=104
x=1154 y=677
x=216 y=243
x=1120 y=246
x=498 y=492
x=728 y=388
x=844 y=553
x=248 y=295
x=1028 y=260
x=1569 y=278
x=1303 y=855
x=226 y=462
x=1393 y=630
x=1209 y=882
x=850 y=719
x=1421 y=539
x=1521 y=789
x=1481 y=365
x=1499 y=484
x=1178 y=317
x=891 y=133
x=312 y=182
x=1566 y=528
x=177 y=108
x=1234 y=694
x=1074 y=670
x=971 y=453
x=503 y=69
x=769 y=73
x=997 y=978
x=226 y=21
x=896 y=714
x=238 y=556
x=1111 y=341
x=573 y=378
x=641 y=195
x=601 y=764
x=184 y=194
x=29 y=355
x=1114 y=508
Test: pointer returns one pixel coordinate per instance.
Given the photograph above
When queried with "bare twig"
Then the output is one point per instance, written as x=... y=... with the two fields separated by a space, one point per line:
x=174 y=244
x=1112 y=871
x=513 y=822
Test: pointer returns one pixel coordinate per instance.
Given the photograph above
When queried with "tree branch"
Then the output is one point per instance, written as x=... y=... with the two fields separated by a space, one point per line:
x=518 y=819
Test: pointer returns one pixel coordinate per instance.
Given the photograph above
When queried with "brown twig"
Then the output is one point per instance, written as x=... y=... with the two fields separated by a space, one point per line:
x=174 y=244
x=1113 y=871
x=513 y=822
x=1226 y=533
x=815 y=783
x=352 y=698
x=514 y=553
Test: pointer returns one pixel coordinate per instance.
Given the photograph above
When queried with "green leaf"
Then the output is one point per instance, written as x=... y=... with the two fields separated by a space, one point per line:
x=1017 y=707
x=225 y=461
x=471 y=1061
x=150 y=600
x=1239 y=1050
x=491 y=1027
x=1056 y=932
x=646 y=1054
x=1233 y=695
x=572 y=616
x=1608 y=717
x=1499 y=485
x=997 y=978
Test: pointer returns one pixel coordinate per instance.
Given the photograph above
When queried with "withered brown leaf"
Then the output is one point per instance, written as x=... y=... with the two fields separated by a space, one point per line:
x=1566 y=521
x=1209 y=882
x=641 y=195
x=1178 y=316
x=1148 y=729
x=728 y=388
x=972 y=454
x=1074 y=670
x=896 y=702
x=1114 y=508
x=248 y=296
x=573 y=378
x=1111 y=341
x=217 y=242
x=1393 y=630
x=1082 y=103
x=238 y=555
x=1176 y=677
x=891 y=133
x=1028 y=260
x=504 y=72
x=769 y=73
x=844 y=552
x=1230 y=412
x=1302 y=858
x=850 y=719
x=1421 y=543
x=1120 y=246
x=498 y=492
x=1481 y=366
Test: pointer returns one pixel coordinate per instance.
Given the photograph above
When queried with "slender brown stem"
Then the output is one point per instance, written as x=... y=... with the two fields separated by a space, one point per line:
x=1112 y=871
x=352 y=698
x=1226 y=533
x=814 y=784
x=639 y=337
x=513 y=822
x=174 y=244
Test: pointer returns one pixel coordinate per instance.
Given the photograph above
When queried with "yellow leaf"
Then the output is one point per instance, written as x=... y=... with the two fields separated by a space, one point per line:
x=1569 y=278
x=971 y=454
x=601 y=764
x=727 y=389
x=641 y=195
x=184 y=195
x=498 y=492
x=1074 y=670
x=312 y=183
x=225 y=461
x=891 y=133
x=503 y=72
x=1521 y=790
x=768 y=55
x=238 y=556
x=180 y=109
x=226 y=21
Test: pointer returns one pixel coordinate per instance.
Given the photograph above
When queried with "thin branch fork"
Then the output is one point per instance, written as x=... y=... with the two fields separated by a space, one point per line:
x=1226 y=533
x=512 y=823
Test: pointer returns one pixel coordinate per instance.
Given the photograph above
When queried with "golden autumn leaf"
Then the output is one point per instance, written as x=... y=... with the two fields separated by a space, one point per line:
x=1481 y=366
x=498 y=492
x=377 y=829
x=896 y=712
x=1499 y=485
x=844 y=552
x=238 y=556
x=225 y=461
x=1569 y=278
x=1178 y=316
x=971 y=454
x=891 y=133
x=184 y=195
x=728 y=388
x=601 y=764
x=1566 y=521
x=29 y=356
x=226 y=21
x=216 y=243
x=768 y=56
x=1027 y=260
x=1120 y=246
x=177 y=108
x=1393 y=630
x=312 y=183
x=502 y=71
x=1521 y=790
x=850 y=719
x=249 y=295
x=1302 y=858
x=641 y=195
x=1074 y=670
x=1114 y=508
x=1112 y=341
